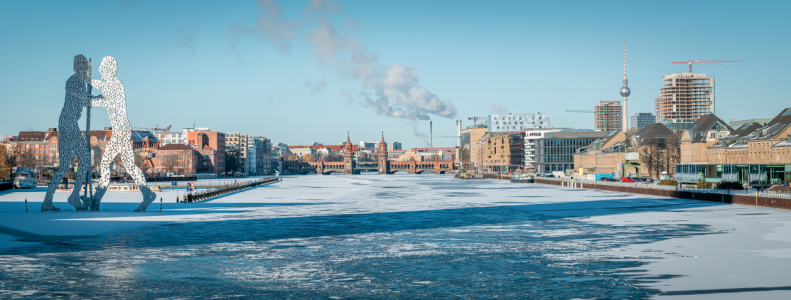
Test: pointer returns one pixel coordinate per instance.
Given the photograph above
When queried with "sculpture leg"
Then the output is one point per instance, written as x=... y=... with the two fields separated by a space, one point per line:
x=128 y=156
x=55 y=181
x=82 y=172
x=104 y=181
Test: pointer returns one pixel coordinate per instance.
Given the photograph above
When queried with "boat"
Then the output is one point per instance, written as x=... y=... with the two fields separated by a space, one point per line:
x=24 y=179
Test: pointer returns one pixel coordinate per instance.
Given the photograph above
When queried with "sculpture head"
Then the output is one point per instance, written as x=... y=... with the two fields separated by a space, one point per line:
x=80 y=64
x=108 y=68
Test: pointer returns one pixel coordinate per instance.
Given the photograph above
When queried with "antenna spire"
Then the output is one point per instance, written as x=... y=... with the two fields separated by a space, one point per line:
x=624 y=59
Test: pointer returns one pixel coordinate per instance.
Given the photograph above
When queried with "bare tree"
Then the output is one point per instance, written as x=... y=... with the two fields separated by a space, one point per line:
x=8 y=159
x=143 y=162
x=673 y=149
x=25 y=158
x=650 y=156
x=308 y=158
x=335 y=157
x=169 y=163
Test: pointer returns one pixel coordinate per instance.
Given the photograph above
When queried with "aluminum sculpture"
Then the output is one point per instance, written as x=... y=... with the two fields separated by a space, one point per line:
x=71 y=141
x=113 y=98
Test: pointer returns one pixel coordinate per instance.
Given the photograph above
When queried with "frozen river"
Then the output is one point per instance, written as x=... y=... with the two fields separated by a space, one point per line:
x=396 y=236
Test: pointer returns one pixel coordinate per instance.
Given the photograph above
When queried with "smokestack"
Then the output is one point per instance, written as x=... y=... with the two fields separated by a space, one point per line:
x=458 y=133
x=431 y=132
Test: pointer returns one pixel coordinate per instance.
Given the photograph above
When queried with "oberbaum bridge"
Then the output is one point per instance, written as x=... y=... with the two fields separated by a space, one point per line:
x=383 y=166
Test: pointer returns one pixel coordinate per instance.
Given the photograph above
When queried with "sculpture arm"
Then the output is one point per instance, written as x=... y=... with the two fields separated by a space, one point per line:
x=98 y=101
x=97 y=84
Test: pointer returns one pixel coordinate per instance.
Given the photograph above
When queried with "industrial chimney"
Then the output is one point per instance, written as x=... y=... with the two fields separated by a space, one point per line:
x=431 y=132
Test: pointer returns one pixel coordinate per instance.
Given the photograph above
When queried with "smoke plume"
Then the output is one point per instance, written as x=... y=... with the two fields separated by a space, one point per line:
x=315 y=87
x=500 y=110
x=393 y=90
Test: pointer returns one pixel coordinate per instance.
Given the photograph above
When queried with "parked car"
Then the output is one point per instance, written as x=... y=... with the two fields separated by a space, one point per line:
x=549 y=176
x=627 y=179
x=607 y=179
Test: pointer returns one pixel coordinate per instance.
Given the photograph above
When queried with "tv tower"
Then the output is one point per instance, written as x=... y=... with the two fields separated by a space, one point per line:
x=625 y=91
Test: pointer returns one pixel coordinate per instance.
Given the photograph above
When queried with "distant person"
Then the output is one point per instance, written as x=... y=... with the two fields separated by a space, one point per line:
x=70 y=139
x=114 y=99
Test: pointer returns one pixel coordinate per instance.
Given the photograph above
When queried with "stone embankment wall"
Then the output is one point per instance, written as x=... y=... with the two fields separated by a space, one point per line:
x=744 y=199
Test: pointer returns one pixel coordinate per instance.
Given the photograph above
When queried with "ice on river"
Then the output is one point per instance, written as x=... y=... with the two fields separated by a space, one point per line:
x=395 y=236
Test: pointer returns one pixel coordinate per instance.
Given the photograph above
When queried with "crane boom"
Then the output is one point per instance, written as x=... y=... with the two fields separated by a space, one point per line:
x=475 y=119
x=704 y=61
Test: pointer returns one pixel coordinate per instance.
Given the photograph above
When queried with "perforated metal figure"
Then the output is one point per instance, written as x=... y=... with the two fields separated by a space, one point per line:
x=113 y=98
x=70 y=139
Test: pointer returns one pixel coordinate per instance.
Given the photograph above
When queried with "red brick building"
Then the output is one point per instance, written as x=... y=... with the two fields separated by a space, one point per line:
x=40 y=148
x=210 y=145
x=208 y=157
x=178 y=159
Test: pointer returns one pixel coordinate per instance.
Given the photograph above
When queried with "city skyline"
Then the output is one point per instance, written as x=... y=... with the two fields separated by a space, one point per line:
x=245 y=67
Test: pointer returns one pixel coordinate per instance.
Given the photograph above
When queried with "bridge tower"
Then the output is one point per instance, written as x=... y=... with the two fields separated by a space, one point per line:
x=384 y=166
x=348 y=157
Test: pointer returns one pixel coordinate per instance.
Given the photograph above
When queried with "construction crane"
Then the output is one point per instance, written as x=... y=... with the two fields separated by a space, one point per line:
x=446 y=136
x=475 y=119
x=606 y=114
x=704 y=61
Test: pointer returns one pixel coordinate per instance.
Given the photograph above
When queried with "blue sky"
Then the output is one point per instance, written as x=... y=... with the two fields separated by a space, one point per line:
x=207 y=61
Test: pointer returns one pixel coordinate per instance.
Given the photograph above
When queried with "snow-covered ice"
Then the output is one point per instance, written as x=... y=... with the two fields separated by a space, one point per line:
x=395 y=236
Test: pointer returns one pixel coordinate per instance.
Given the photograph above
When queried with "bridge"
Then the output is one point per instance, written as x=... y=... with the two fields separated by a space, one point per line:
x=383 y=166
x=411 y=167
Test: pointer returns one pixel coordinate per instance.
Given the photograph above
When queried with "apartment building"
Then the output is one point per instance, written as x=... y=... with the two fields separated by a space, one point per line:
x=470 y=146
x=496 y=152
x=608 y=116
x=236 y=152
x=685 y=98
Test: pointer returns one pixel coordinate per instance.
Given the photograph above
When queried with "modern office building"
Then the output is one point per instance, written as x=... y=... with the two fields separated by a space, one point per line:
x=523 y=145
x=607 y=116
x=555 y=150
x=517 y=122
x=367 y=145
x=641 y=120
x=393 y=146
x=684 y=98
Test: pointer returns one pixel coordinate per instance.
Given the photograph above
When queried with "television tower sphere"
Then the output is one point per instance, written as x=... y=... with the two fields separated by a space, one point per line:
x=625 y=91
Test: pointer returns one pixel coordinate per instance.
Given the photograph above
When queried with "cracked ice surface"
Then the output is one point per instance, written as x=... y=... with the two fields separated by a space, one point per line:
x=396 y=236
